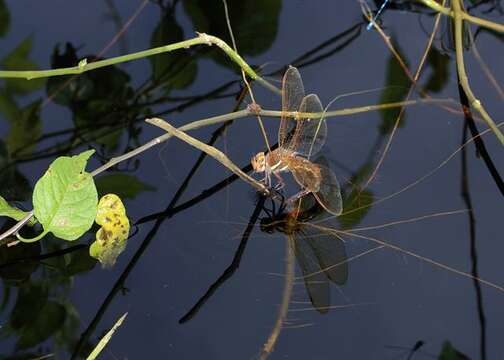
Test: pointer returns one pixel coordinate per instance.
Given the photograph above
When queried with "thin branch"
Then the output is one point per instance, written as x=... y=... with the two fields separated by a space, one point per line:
x=231 y=269
x=210 y=150
x=225 y=118
x=410 y=92
x=84 y=66
x=284 y=306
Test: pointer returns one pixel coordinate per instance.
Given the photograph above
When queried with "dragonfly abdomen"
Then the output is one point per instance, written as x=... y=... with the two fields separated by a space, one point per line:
x=306 y=173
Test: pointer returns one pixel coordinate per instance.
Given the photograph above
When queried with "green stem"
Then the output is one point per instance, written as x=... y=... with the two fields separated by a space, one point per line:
x=84 y=66
x=36 y=238
x=463 y=79
x=223 y=118
x=465 y=16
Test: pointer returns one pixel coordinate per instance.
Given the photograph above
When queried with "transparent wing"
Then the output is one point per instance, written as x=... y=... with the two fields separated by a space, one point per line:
x=307 y=208
x=308 y=135
x=315 y=281
x=330 y=252
x=292 y=95
x=306 y=173
x=329 y=191
x=329 y=194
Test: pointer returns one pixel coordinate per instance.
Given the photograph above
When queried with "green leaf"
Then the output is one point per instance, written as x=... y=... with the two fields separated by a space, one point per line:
x=357 y=202
x=100 y=116
x=8 y=106
x=18 y=59
x=30 y=300
x=355 y=207
x=108 y=84
x=18 y=271
x=450 y=353
x=79 y=262
x=13 y=212
x=13 y=185
x=68 y=90
x=174 y=70
x=124 y=186
x=25 y=130
x=396 y=89
x=4 y=18
x=46 y=322
x=65 y=198
x=255 y=24
x=440 y=72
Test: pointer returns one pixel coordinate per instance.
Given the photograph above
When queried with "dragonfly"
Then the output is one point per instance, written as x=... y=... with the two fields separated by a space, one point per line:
x=320 y=256
x=298 y=140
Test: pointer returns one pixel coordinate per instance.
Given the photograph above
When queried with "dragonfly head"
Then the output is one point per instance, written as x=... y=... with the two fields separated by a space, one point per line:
x=259 y=162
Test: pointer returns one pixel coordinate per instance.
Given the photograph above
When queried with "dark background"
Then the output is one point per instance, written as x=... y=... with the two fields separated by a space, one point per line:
x=397 y=299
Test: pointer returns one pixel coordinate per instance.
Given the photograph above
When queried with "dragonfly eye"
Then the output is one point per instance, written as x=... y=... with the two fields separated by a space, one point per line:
x=259 y=162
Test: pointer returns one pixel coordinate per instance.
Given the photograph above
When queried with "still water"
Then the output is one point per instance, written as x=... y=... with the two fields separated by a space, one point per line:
x=411 y=256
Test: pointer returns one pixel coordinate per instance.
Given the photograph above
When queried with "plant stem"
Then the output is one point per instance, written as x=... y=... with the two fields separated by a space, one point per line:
x=465 y=16
x=223 y=118
x=84 y=66
x=464 y=81
x=210 y=150
x=267 y=348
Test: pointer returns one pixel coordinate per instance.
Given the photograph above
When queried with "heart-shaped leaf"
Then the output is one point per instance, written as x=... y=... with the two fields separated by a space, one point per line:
x=65 y=198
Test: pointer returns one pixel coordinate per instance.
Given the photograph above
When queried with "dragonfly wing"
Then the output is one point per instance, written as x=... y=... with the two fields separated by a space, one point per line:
x=330 y=252
x=292 y=95
x=307 y=208
x=309 y=135
x=306 y=173
x=315 y=281
x=312 y=175
x=329 y=194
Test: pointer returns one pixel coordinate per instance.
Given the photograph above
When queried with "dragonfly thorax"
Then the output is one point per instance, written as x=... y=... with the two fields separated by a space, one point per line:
x=271 y=162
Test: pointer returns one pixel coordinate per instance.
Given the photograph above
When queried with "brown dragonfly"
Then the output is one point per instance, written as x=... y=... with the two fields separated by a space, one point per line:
x=320 y=255
x=298 y=140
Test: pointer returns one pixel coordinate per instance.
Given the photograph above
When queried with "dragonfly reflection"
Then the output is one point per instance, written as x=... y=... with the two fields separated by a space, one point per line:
x=298 y=140
x=321 y=256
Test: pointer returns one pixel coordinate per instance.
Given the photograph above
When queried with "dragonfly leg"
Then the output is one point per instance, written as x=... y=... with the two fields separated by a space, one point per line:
x=267 y=178
x=281 y=183
x=297 y=196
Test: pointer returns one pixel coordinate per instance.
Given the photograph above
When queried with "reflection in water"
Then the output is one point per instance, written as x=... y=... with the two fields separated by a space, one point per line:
x=320 y=255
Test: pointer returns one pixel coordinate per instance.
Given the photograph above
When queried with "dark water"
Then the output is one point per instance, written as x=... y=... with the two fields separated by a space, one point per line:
x=391 y=301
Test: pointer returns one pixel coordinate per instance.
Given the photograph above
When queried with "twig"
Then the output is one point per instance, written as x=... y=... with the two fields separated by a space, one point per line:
x=410 y=92
x=231 y=269
x=210 y=150
x=284 y=306
x=224 y=118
